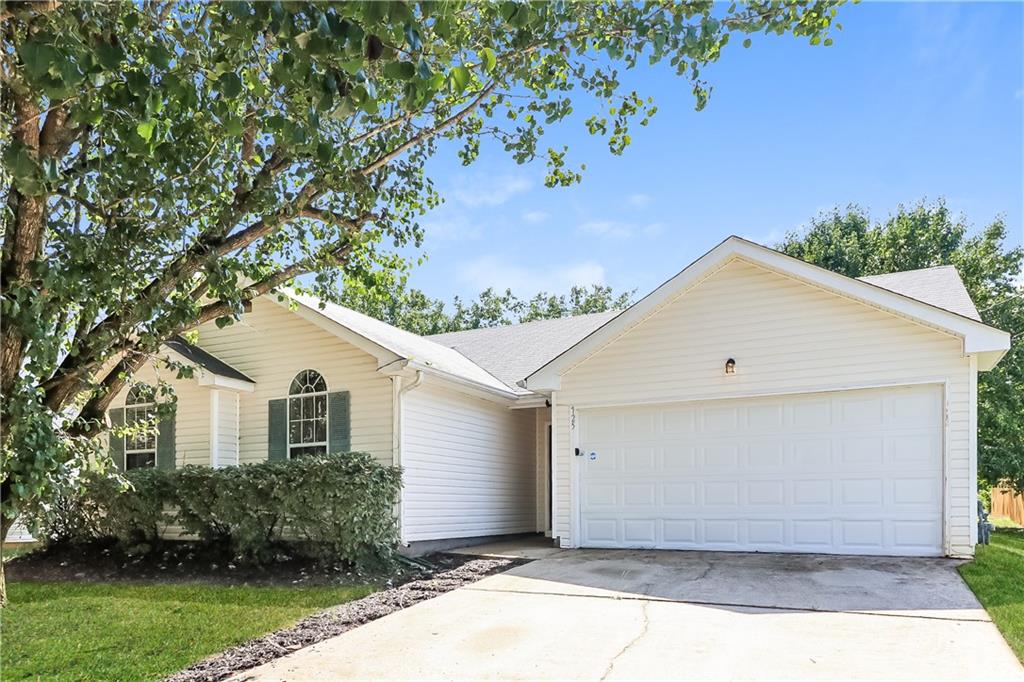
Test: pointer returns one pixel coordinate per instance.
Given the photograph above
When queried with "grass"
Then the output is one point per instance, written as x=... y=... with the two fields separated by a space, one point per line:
x=90 y=631
x=997 y=578
x=1002 y=522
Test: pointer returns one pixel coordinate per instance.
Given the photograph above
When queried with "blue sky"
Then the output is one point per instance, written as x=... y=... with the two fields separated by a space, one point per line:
x=912 y=101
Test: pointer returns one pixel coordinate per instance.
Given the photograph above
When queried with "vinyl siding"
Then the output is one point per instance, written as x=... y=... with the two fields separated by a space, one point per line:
x=469 y=466
x=786 y=337
x=271 y=345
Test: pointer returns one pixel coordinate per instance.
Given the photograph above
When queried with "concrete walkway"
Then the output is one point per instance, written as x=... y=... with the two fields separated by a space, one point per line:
x=595 y=615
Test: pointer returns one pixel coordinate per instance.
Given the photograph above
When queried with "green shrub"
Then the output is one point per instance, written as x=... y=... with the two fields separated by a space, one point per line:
x=67 y=516
x=343 y=507
x=198 y=498
x=137 y=516
x=335 y=508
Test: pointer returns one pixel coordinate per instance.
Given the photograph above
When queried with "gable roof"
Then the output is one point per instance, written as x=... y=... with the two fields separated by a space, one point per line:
x=392 y=345
x=987 y=343
x=939 y=286
x=204 y=359
x=513 y=352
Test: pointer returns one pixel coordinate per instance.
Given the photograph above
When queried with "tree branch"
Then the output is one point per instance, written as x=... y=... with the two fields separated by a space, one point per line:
x=428 y=133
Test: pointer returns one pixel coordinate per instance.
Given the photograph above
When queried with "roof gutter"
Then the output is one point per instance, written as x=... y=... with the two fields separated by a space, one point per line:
x=467 y=383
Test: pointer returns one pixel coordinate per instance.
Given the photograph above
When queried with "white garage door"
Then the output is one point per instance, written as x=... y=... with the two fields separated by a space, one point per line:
x=851 y=472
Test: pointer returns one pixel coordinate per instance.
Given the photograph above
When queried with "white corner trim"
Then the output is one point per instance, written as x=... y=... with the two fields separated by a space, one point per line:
x=215 y=429
x=978 y=338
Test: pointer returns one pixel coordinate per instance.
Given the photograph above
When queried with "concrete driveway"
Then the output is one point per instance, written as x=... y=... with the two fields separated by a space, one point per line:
x=594 y=614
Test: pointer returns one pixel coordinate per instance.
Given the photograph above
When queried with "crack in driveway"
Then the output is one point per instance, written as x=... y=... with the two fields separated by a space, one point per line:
x=981 y=618
x=643 y=631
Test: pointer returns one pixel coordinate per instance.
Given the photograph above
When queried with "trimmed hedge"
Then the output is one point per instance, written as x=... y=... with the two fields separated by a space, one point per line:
x=335 y=508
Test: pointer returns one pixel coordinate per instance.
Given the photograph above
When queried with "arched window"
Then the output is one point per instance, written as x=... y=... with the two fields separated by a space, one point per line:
x=140 y=447
x=307 y=414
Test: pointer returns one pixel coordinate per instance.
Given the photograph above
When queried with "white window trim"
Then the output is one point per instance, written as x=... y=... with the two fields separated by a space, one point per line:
x=327 y=412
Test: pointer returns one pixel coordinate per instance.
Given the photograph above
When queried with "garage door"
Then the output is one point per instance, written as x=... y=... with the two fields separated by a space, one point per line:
x=850 y=472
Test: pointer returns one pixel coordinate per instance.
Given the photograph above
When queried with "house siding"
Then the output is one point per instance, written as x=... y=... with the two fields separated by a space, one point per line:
x=787 y=337
x=469 y=466
x=271 y=345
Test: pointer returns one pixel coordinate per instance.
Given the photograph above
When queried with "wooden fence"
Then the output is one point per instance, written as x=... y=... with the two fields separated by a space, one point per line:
x=1007 y=504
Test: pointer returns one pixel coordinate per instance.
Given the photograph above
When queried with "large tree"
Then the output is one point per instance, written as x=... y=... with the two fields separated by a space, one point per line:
x=925 y=235
x=165 y=163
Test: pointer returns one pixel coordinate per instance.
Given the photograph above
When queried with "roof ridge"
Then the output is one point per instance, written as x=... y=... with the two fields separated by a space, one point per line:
x=902 y=272
x=525 y=324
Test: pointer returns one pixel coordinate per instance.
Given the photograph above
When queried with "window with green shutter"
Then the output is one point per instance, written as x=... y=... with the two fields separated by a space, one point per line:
x=310 y=421
x=145 y=448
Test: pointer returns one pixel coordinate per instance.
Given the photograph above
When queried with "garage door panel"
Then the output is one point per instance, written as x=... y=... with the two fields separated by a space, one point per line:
x=678 y=458
x=679 y=494
x=849 y=472
x=721 y=457
x=638 y=459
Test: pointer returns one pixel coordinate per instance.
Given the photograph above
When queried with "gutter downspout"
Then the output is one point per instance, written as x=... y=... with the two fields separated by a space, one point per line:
x=397 y=408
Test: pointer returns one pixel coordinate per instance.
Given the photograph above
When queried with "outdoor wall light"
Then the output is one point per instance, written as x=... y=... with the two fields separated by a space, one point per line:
x=730 y=366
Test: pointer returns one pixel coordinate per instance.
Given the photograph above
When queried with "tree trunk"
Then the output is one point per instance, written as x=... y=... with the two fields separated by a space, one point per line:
x=5 y=526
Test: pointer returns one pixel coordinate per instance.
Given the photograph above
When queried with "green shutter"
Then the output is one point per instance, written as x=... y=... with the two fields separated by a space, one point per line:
x=165 y=443
x=339 y=430
x=277 y=429
x=117 y=442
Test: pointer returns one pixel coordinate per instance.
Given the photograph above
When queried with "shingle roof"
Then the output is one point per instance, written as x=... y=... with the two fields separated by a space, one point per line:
x=513 y=352
x=940 y=286
x=402 y=343
x=204 y=359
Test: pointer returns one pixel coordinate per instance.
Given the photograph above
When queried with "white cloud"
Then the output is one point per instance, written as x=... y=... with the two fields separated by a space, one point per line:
x=536 y=217
x=607 y=228
x=654 y=229
x=640 y=200
x=451 y=228
x=491 y=271
x=486 y=190
x=770 y=238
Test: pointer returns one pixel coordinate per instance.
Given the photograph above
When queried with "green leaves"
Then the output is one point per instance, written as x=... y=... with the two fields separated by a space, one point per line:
x=489 y=60
x=400 y=70
x=37 y=58
x=460 y=78
x=231 y=85
x=145 y=130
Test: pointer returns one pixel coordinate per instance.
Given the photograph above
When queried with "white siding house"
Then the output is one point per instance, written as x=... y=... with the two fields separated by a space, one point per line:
x=468 y=466
x=751 y=403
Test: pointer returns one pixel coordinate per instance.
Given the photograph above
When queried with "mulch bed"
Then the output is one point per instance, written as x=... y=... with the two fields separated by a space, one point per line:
x=179 y=562
x=455 y=571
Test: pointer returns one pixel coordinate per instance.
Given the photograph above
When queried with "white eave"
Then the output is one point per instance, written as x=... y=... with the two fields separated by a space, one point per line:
x=987 y=343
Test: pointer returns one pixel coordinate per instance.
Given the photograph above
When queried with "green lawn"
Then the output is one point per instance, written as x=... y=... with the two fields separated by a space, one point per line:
x=997 y=577
x=81 y=631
